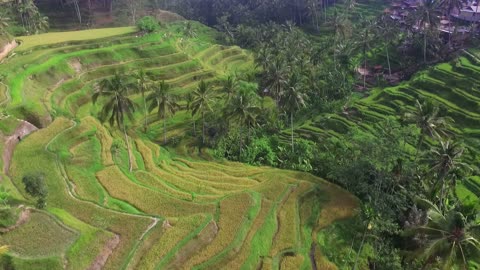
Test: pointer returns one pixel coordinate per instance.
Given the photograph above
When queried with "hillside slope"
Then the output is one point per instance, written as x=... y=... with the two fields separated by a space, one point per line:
x=175 y=209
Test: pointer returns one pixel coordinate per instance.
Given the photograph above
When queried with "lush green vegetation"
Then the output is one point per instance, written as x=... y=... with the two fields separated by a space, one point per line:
x=113 y=187
x=136 y=129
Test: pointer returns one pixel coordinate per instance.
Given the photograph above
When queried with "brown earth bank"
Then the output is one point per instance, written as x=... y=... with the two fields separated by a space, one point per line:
x=6 y=49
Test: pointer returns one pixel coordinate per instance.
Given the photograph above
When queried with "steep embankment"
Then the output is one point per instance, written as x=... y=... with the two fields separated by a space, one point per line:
x=7 y=44
x=171 y=211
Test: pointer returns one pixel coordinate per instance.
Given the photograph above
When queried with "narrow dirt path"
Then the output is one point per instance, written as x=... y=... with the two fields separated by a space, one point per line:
x=22 y=130
x=107 y=250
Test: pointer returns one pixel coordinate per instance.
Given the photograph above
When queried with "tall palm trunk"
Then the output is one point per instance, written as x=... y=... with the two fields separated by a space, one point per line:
x=325 y=8
x=144 y=111
x=388 y=61
x=165 y=130
x=360 y=249
x=194 y=128
x=240 y=144
x=419 y=145
x=365 y=71
x=365 y=60
x=425 y=47
x=77 y=11
x=203 y=127
x=442 y=194
x=291 y=125
x=130 y=162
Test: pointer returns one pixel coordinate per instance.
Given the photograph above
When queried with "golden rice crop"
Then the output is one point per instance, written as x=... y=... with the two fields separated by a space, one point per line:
x=235 y=262
x=165 y=238
x=147 y=200
x=105 y=139
x=288 y=221
x=233 y=211
x=292 y=262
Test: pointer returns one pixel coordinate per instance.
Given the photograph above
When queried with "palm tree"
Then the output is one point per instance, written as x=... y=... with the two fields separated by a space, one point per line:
x=244 y=109
x=3 y=22
x=189 y=99
x=276 y=77
x=142 y=85
x=312 y=8
x=366 y=36
x=77 y=11
x=426 y=118
x=32 y=21
x=388 y=32
x=263 y=57
x=202 y=99
x=165 y=102
x=117 y=106
x=229 y=87
x=339 y=24
x=343 y=52
x=41 y=23
x=444 y=160
x=427 y=20
x=292 y=99
x=189 y=30
x=449 y=236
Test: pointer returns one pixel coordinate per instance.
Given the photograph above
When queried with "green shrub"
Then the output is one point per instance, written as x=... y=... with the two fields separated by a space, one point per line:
x=8 y=216
x=4 y=195
x=35 y=186
x=300 y=158
x=148 y=24
x=260 y=152
x=6 y=262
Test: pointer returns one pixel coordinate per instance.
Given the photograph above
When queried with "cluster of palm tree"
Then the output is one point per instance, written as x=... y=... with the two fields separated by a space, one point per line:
x=443 y=153
x=118 y=105
x=447 y=234
x=3 y=22
x=302 y=12
x=447 y=239
x=32 y=21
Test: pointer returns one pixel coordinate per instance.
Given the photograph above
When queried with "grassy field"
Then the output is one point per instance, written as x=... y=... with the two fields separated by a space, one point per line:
x=29 y=42
x=176 y=209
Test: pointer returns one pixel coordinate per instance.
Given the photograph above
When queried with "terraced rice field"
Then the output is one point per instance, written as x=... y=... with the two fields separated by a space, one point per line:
x=172 y=211
x=454 y=86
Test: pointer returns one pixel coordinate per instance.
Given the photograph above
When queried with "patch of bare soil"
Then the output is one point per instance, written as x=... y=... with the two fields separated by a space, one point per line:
x=204 y=238
x=22 y=219
x=7 y=49
x=75 y=65
x=22 y=130
x=105 y=253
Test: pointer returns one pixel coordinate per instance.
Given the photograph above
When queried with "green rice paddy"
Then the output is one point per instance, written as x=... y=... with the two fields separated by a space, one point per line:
x=175 y=209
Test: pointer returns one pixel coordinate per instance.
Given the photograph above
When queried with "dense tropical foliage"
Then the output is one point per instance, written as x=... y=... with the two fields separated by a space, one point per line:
x=404 y=169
